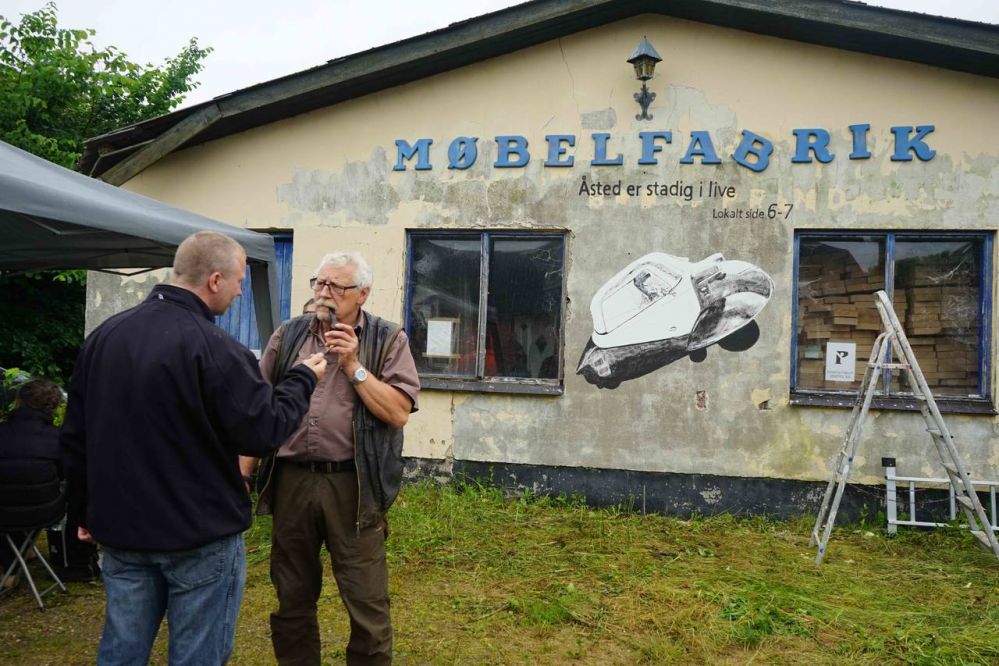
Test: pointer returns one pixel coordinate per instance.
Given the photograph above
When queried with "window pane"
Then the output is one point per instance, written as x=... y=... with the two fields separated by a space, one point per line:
x=444 y=308
x=837 y=278
x=940 y=282
x=525 y=306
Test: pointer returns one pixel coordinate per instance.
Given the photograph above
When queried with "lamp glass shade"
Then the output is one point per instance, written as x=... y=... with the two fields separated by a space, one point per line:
x=644 y=59
x=645 y=68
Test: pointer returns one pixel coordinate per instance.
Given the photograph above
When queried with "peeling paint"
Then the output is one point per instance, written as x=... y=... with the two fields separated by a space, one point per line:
x=760 y=396
x=358 y=193
x=604 y=119
x=711 y=495
x=108 y=294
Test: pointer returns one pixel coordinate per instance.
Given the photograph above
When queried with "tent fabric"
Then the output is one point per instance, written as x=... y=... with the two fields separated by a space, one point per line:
x=54 y=218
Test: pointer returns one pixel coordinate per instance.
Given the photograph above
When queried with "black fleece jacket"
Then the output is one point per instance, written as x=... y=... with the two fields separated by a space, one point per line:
x=161 y=403
x=27 y=434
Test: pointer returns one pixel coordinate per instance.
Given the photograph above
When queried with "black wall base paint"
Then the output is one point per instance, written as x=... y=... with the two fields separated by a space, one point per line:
x=682 y=494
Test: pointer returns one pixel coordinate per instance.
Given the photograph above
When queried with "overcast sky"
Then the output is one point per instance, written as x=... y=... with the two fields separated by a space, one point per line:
x=256 y=41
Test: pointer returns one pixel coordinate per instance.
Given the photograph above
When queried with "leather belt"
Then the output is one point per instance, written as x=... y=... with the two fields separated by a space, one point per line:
x=326 y=467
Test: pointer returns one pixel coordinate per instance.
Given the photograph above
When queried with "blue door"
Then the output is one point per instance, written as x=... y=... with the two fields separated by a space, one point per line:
x=239 y=320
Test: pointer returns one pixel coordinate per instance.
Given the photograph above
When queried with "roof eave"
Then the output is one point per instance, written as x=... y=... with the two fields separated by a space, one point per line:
x=947 y=43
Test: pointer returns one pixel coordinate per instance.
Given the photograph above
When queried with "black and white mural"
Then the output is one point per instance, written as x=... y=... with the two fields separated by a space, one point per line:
x=661 y=308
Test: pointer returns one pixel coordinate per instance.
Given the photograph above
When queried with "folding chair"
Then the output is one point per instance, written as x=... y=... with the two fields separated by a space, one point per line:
x=31 y=499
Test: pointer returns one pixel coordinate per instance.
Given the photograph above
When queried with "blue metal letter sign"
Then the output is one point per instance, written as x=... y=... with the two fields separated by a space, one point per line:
x=753 y=152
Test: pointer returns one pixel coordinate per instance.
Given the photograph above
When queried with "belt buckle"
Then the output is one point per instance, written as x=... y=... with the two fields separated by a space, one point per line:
x=330 y=466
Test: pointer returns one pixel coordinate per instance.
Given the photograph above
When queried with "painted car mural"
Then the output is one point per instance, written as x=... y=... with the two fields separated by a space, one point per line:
x=661 y=308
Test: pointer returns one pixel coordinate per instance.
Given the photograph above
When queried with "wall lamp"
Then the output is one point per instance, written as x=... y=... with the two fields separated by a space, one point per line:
x=644 y=60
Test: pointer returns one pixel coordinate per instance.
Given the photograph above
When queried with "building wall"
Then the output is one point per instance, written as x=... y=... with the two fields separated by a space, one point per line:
x=327 y=175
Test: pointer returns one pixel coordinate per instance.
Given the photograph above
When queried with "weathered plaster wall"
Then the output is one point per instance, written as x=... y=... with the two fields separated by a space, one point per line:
x=108 y=294
x=328 y=176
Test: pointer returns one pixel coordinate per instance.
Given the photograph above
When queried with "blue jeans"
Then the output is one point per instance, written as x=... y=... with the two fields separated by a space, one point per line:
x=199 y=590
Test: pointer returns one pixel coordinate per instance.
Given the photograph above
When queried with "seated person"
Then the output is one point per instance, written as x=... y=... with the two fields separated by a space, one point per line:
x=30 y=434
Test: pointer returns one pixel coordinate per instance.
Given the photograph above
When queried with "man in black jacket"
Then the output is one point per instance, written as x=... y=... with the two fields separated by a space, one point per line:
x=161 y=404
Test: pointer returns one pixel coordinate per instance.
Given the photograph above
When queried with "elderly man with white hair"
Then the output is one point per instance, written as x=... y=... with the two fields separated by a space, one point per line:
x=333 y=480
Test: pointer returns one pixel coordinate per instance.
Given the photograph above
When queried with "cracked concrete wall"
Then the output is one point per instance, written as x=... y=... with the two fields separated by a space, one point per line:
x=327 y=175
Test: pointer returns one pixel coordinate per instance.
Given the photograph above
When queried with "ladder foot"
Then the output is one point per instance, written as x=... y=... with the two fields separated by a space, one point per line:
x=983 y=539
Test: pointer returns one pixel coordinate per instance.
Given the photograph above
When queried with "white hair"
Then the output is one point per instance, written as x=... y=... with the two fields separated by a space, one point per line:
x=362 y=271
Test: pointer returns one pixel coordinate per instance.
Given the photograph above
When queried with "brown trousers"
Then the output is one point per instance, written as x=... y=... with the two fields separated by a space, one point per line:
x=312 y=509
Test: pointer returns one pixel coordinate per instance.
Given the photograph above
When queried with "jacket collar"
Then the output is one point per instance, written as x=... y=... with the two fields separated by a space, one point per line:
x=182 y=297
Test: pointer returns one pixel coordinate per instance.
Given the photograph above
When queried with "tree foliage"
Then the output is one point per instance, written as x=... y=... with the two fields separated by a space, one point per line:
x=41 y=322
x=56 y=91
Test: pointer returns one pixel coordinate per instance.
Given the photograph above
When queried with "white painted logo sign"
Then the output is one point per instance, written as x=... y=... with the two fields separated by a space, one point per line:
x=841 y=360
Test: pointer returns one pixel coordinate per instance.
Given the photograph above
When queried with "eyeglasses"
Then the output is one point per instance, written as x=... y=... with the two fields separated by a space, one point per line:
x=318 y=286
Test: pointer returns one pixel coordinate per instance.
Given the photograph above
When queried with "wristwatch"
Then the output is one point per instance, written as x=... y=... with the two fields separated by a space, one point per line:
x=359 y=375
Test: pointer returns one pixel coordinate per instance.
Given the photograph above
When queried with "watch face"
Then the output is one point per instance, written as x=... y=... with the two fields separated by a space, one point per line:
x=360 y=375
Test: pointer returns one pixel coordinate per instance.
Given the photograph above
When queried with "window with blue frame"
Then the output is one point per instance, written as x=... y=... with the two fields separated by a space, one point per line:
x=939 y=285
x=240 y=320
x=484 y=310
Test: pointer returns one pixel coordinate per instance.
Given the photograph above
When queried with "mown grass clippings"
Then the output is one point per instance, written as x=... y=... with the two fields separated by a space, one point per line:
x=478 y=577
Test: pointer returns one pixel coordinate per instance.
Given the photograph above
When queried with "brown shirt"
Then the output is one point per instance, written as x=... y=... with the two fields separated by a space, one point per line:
x=326 y=433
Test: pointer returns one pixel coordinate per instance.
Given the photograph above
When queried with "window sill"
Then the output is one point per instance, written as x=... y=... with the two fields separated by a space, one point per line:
x=523 y=386
x=847 y=401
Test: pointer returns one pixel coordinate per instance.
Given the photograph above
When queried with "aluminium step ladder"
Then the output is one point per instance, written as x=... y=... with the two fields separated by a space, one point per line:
x=893 y=340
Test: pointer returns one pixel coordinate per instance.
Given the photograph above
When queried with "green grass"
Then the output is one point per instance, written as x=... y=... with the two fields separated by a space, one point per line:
x=478 y=578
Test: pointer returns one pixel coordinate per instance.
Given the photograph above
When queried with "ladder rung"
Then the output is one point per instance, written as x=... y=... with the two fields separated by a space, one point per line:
x=889 y=366
x=981 y=536
x=935 y=432
x=951 y=469
x=965 y=501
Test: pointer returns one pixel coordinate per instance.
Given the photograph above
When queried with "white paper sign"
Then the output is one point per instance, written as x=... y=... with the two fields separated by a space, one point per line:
x=440 y=337
x=841 y=361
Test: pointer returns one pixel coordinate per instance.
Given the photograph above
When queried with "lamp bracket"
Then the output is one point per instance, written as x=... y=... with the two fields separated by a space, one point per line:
x=644 y=99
